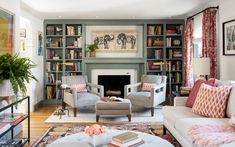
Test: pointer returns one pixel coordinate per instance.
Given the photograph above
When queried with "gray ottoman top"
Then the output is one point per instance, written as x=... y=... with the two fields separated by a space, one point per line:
x=124 y=105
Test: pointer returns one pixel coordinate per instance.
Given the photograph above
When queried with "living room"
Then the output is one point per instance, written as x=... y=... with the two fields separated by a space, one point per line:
x=120 y=73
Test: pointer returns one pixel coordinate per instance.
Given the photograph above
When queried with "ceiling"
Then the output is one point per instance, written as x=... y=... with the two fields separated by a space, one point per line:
x=113 y=9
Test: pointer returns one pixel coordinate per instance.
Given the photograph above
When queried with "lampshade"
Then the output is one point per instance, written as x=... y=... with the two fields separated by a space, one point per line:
x=201 y=66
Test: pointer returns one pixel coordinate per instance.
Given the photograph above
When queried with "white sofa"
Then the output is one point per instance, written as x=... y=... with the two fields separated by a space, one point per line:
x=179 y=118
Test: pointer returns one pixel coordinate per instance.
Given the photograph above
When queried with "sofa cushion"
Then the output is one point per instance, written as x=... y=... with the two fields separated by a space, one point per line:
x=183 y=125
x=172 y=114
x=195 y=89
x=231 y=101
x=211 y=101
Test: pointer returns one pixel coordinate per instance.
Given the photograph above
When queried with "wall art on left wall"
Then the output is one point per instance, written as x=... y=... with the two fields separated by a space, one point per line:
x=6 y=32
x=39 y=43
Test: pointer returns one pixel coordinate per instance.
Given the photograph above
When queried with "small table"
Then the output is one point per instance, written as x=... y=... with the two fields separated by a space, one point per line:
x=113 y=108
x=81 y=139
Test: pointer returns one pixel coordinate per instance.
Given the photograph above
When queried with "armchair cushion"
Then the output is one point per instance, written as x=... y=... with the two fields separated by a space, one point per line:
x=79 y=87
x=86 y=99
x=140 y=98
x=148 y=86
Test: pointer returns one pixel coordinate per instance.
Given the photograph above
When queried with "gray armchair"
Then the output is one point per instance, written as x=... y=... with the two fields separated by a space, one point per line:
x=145 y=99
x=81 y=99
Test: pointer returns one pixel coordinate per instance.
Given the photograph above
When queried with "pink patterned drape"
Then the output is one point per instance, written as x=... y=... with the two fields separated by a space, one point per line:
x=188 y=53
x=209 y=41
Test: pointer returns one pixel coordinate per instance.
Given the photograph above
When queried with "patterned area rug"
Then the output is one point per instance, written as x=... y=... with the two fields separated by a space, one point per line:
x=57 y=132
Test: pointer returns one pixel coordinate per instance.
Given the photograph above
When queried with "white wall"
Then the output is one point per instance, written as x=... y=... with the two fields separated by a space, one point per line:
x=226 y=12
x=33 y=25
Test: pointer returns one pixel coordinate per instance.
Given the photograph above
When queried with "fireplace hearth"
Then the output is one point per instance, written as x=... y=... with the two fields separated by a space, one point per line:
x=114 y=84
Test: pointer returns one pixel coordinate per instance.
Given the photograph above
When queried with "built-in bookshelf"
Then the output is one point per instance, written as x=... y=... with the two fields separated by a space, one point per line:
x=64 y=56
x=164 y=45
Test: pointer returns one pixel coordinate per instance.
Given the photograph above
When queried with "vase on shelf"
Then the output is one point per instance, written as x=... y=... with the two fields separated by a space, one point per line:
x=92 y=54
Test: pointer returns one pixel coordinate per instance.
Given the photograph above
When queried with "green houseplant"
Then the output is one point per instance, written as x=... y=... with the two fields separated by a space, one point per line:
x=92 y=48
x=17 y=71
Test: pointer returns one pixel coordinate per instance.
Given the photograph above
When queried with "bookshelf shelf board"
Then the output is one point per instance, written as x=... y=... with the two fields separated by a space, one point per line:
x=54 y=35
x=74 y=71
x=174 y=71
x=155 y=35
x=151 y=59
x=52 y=84
x=173 y=59
x=175 y=83
x=73 y=35
x=173 y=35
x=54 y=60
x=54 y=47
x=175 y=47
x=73 y=59
x=154 y=47
x=154 y=71
x=54 y=71
x=73 y=47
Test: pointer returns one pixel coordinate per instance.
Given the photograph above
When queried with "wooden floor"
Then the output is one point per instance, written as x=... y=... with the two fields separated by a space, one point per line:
x=37 y=125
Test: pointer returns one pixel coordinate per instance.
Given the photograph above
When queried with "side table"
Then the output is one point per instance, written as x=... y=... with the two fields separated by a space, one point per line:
x=61 y=111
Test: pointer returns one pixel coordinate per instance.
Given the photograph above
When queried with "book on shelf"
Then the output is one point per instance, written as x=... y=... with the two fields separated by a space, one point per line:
x=4 y=127
x=50 y=30
x=168 y=42
x=71 y=30
x=158 y=54
x=51 y=92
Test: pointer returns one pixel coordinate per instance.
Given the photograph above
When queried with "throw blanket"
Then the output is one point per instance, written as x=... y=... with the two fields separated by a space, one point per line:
x=211 y=135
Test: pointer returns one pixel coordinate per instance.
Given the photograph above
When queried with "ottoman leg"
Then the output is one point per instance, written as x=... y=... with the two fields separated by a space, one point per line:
x=129 y=117
x=97 y=118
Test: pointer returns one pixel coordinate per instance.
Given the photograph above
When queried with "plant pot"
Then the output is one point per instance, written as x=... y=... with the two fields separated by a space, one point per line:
x=93 y=54
x=6 y=89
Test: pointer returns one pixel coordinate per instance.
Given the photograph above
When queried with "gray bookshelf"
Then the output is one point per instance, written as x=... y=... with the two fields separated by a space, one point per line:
x=171 y=51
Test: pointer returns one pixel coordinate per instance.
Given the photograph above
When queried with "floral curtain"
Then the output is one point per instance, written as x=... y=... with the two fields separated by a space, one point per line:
x=209 y=42
x=188 y=53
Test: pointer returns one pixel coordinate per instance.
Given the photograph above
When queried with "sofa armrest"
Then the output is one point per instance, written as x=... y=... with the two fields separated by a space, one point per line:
x=180 y=101
x=100 y=89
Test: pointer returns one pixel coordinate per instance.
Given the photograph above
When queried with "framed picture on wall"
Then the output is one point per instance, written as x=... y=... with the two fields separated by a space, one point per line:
x=229 y=37
x=39 y=43
x=6 y=32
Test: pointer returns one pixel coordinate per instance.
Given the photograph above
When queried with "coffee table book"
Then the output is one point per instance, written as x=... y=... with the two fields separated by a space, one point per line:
x=125 y=137
x=133 y=143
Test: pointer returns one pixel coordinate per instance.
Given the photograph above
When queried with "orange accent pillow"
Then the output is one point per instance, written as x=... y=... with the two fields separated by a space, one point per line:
x=148 y=86
x=79 y=87
x=211 y=101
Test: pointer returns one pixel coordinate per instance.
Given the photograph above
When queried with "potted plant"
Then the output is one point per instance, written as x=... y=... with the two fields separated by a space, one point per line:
x=91 y=49
x=14 y=72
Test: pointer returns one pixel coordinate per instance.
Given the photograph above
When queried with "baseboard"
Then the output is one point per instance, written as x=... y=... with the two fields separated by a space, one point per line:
x=38 y=105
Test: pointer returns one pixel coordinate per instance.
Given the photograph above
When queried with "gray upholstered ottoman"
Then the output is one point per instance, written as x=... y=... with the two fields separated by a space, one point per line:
x=113 y=108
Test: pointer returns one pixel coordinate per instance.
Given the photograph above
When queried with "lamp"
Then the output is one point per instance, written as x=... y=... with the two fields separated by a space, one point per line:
x=201 y=66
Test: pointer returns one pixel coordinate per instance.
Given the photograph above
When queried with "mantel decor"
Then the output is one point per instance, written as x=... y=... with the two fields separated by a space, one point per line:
x=115 y=41
x=229 y=37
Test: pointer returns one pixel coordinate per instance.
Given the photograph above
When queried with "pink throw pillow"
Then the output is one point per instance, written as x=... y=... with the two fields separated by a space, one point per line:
x=194 y=91
x=79 y=87
x=211 y=101
x=148 y=86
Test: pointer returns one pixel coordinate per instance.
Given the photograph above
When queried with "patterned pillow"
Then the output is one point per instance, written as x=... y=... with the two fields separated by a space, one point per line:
x=211 y=101
x=148 y=86
x=79 y=87
x=193 y=94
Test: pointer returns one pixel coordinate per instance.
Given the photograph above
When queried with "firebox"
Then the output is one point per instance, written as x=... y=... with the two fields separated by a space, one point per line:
x=114 y=84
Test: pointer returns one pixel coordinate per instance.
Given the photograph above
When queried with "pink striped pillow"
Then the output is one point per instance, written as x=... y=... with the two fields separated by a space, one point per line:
x=148 y=86
x=79 y=87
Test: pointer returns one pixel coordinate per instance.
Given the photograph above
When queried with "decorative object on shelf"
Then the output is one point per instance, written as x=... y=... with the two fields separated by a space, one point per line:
x=18 y=71
x=229 y=37
x=201 y=67
x=97 y=134
x=6 y=29
x=115 y=41
x=92 y=49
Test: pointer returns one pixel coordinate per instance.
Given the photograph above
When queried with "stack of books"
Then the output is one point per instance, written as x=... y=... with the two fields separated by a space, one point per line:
x=185 y=90
x=127 y=139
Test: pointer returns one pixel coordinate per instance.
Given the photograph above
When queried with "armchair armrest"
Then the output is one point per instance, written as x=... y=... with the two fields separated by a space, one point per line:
x=157 y=88
x=100 y=89
x=180 y=101
x=70 y=97
x=128 y=87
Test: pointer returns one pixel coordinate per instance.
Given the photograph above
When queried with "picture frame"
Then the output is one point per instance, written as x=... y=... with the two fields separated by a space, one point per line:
x=23 y=33
x=6 y=31
x=40 y=49
x=116 y=40
x=229 y=38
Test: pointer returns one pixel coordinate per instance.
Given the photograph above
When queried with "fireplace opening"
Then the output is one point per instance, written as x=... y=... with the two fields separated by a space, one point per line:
x=114 y=84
